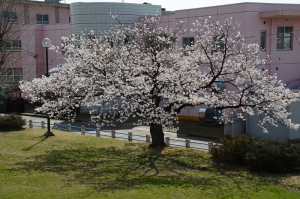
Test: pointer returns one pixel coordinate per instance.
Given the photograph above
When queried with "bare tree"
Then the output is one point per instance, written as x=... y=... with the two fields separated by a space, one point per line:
x=15 y=37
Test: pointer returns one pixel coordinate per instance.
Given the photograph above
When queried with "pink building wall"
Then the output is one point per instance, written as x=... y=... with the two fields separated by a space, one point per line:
x=34 y=62
x=57 y=12
x=54 y=33
x=284 y=63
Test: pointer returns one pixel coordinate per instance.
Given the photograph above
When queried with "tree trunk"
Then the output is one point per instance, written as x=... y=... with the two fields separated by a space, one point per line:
x=157 y=135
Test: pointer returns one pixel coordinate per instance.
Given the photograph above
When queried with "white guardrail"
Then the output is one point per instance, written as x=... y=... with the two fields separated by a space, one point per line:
x=177 y=142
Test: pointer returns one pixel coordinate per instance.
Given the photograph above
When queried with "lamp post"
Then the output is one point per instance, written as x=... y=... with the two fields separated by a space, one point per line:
x=47 y=43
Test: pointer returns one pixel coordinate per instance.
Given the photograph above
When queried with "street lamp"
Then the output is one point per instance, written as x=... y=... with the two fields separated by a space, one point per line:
x=47 y=43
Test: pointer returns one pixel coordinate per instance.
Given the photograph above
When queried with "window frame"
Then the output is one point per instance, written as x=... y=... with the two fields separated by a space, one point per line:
x=10 y=17
x=190 y=42
x=219 y=45
x=42 y=22
x=279 y=37
x=263 y=40
x=10 y=45
x=12 y=75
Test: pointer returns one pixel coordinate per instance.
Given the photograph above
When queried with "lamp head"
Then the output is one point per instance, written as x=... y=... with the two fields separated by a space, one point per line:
x=46 y=42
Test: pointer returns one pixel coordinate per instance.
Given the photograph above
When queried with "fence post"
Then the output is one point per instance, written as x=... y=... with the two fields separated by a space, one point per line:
x=30 y=123
x=113 y=134
x=69 y=127
x=82 y=130
x=55 y=126
x=210 y=146
x=148 y=138
x=187 y=143
x=97 y=132
x=42 y=124
x=130 y=136
x=167 y=140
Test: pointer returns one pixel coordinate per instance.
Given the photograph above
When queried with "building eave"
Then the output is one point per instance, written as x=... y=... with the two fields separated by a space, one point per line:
x=280 y=14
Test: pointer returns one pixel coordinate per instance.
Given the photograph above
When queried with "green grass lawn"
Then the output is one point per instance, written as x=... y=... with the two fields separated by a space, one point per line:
x=75 y=166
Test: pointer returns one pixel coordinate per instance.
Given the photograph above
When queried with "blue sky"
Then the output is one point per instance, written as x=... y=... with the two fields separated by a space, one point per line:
x=186 y=4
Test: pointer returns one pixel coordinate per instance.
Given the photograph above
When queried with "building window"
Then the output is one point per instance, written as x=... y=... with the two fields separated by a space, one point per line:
x=187 y=42
x=284 y=38
x=11 y=75
x=13 y=45
x=165 y=42
x=218 y=44
x=42 y=19
x=263 y=40
x=110 y=42
x=10 y=17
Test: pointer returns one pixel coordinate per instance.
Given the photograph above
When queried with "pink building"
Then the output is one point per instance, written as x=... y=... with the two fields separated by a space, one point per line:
x=52 y=21
x=54 y=32
x=32 y=21
x=275 y=27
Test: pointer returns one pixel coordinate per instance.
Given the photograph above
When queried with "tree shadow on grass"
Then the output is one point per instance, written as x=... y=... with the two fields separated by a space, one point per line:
x=112 y=168
x=29 y=148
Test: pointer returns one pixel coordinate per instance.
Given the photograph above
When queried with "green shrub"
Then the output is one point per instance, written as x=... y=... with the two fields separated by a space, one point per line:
x=11 y=122
x=273 y=156
x=265 y=155
x=232 y=151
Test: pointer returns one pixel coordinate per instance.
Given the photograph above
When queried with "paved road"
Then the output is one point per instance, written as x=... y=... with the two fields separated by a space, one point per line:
x=138 y=132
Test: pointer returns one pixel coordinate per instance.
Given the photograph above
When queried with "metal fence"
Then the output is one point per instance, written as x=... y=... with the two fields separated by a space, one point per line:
x=176 y=142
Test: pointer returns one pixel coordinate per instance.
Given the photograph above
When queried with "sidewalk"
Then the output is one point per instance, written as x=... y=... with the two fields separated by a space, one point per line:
x=187 y=129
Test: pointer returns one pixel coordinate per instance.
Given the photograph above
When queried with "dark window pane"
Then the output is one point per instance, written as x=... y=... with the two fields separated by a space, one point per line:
x=10 y=17
x=191 y=42
x=280 y=30
x=6 y=15
x=279 y=44
x=284 y=38
x=8 y=44
x=45 y=18
x=42 y=19
x=288 y=30
x=263 y=40
x=188 y=41
x=18 y=71
x=17 y=78
x=9 y=71
x=15 y=43
x=39 y=17
x=287 y=42
x=9 y=78
x=185 y=41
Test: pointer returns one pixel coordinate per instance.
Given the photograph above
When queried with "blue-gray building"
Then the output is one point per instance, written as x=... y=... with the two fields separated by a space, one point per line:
x=97 y=15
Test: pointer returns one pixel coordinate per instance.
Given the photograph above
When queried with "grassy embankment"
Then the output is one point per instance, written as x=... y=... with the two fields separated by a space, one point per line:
x=74 y=166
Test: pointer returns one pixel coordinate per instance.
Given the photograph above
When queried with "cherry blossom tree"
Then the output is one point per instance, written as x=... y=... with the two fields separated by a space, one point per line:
x=144 y=71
